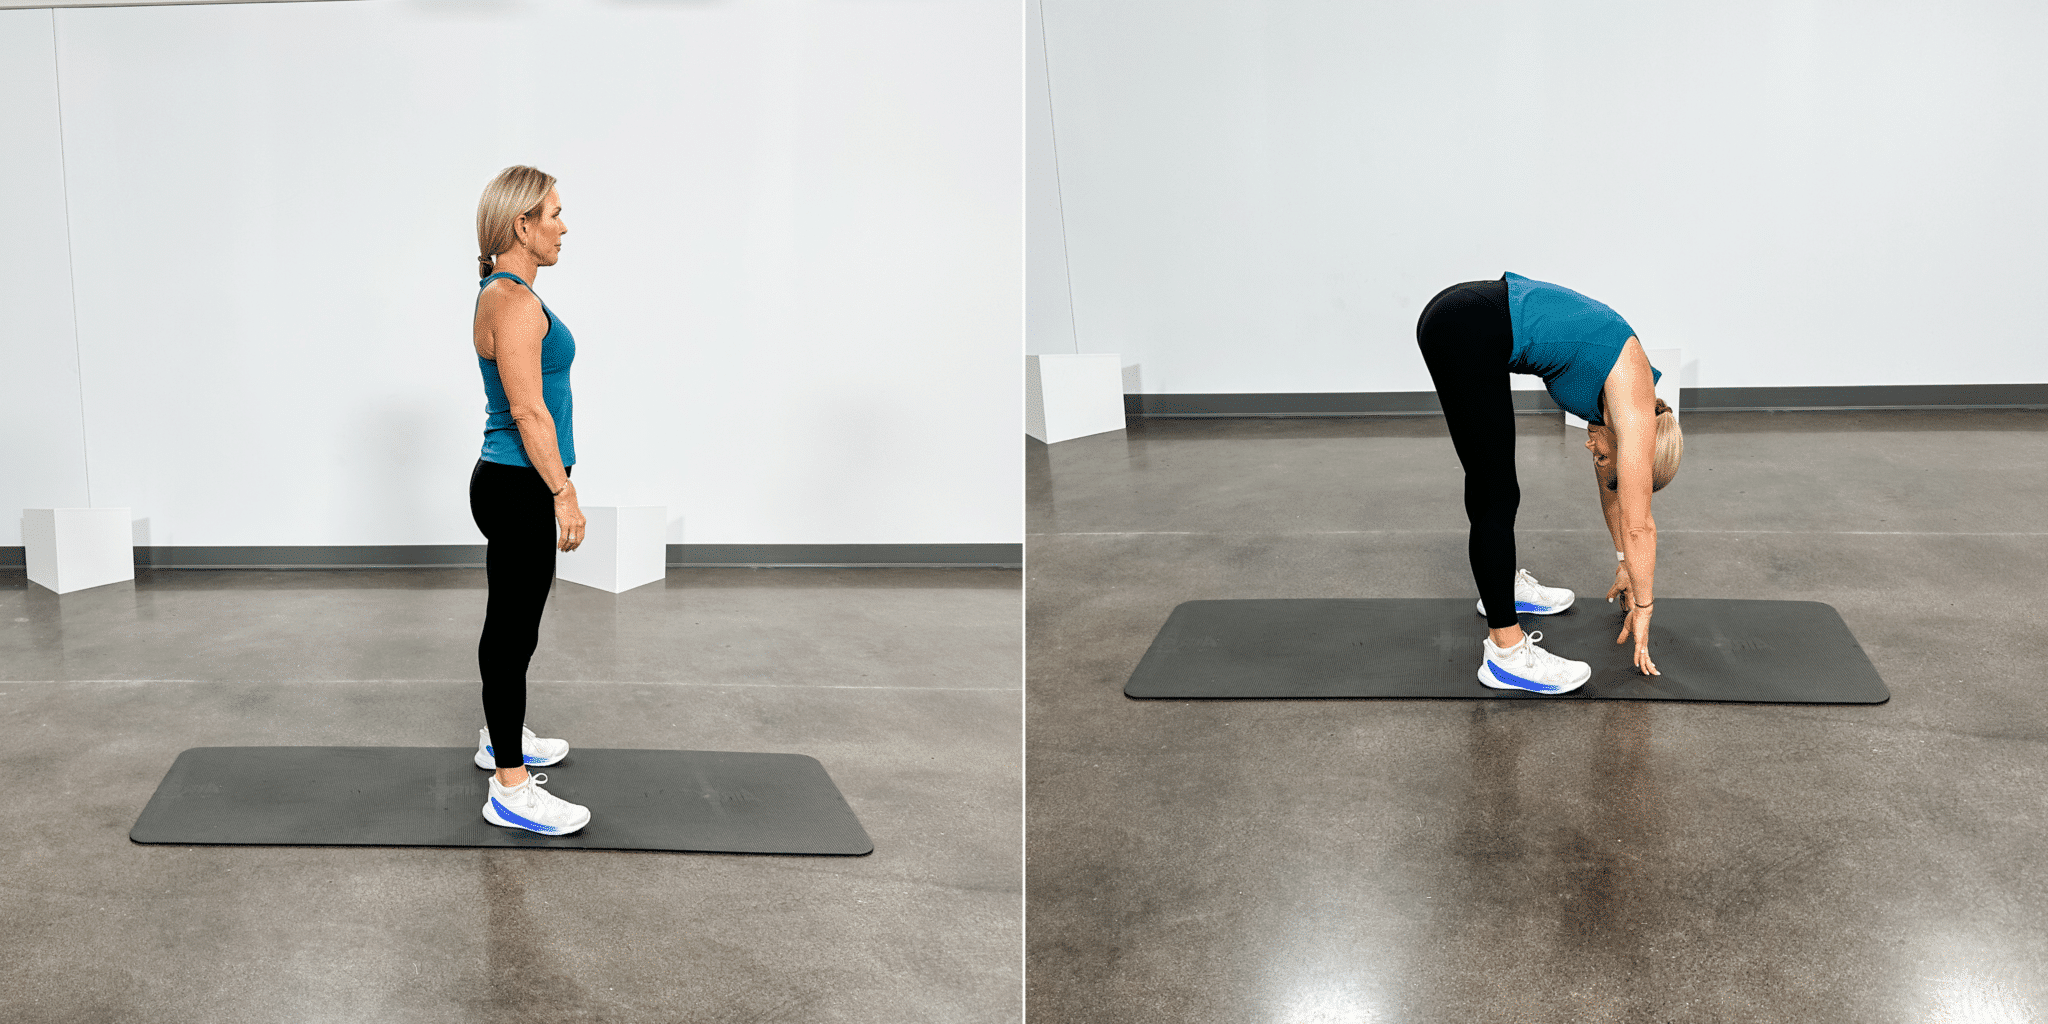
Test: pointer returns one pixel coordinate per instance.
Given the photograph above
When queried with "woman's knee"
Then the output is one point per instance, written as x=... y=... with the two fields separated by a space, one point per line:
x=1492 y=494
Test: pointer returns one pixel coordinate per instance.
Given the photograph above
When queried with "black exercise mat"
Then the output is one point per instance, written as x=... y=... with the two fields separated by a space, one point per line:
x=1776 y=652
x=679 y=800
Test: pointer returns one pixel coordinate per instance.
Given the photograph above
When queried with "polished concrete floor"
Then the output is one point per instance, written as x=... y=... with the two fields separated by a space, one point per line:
x=1289 y=862
x=903 y=682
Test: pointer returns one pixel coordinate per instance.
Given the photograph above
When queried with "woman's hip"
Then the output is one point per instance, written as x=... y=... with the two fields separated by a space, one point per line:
x=506 y=500
x=1469 y=319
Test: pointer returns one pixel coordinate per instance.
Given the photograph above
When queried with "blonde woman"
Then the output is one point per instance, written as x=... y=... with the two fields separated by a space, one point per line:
x=519 y=491
x=1472 y=336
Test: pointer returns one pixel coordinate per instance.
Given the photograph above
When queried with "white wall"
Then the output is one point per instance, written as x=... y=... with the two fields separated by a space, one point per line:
x=126 y=3
x=1048 y=312
x=1260 y=195
x=792 y=263
x=41 y=417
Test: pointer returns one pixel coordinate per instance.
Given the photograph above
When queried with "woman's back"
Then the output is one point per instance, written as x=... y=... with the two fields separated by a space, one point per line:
x=496 y=303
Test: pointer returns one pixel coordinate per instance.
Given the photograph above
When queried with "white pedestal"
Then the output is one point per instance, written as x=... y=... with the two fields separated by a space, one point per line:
x=78 y=548
x=1666 y=362
x=1073 y=396
x=624 y=546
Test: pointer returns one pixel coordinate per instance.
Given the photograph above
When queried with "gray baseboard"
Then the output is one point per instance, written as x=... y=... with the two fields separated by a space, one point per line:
x=1424 y=403
x=400 y=556
x=1313 y=403
x=1003 y=556
x=1865 y=397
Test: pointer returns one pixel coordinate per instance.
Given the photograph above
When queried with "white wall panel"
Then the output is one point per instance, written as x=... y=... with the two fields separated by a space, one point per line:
x=792 y=265
x=42 y=459
x=1260 y=195
x=1048 y=313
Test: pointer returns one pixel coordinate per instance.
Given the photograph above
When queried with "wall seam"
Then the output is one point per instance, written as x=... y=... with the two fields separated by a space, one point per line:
x=1059 y=187
x=70 y=256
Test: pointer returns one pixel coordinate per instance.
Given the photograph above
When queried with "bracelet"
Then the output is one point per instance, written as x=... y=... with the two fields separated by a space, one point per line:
x=1651 y=604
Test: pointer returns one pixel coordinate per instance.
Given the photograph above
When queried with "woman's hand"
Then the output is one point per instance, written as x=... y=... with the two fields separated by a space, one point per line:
x=1638 y=622
x=1622 y=583
x=570 y=516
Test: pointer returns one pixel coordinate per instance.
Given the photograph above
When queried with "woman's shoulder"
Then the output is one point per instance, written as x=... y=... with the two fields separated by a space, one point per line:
x=506 y=284
x=506 y=293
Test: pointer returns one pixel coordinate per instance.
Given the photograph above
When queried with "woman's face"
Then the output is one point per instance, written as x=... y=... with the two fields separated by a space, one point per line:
x=1600 y=441
x=544 y=236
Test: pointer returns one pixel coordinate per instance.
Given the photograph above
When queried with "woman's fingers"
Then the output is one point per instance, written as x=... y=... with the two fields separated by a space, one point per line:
x=1643 y=661
x=572 y=534
x=1638 y=623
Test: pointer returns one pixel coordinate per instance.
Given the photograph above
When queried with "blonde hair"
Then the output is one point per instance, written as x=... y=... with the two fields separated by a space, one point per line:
x=1670 y=447
x=518 y=190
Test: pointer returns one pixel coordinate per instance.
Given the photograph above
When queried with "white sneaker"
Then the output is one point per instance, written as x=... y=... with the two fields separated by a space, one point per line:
x=539 y=753
x=1526 y=666
x=534 y=809
x=1535 y=599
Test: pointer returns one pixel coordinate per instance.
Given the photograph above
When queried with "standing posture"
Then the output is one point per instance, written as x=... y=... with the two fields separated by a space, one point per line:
x=520 y=487
x=1473 y=335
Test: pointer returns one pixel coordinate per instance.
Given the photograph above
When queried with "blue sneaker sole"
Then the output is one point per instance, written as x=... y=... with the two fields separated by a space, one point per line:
x=490 y=764
x=1525 y=608
x=514 y=821
x=1489 y=679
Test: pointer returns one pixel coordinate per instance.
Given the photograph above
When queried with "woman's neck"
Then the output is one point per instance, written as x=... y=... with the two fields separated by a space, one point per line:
x=517 y=261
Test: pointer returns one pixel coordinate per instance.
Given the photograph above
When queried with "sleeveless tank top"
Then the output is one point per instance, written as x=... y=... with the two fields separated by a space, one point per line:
x=502 y=443
x=1568 y=340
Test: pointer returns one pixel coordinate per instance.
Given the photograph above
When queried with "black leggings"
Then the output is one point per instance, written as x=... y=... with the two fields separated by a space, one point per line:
x=1466 y=338
x=516 y=512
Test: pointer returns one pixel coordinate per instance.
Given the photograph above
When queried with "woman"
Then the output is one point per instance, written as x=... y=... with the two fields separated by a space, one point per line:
x=1472 y=336
x=520 y=487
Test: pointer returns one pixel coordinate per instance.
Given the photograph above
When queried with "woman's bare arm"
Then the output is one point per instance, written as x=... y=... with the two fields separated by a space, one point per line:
x=1610 y=508
x=1631 y=402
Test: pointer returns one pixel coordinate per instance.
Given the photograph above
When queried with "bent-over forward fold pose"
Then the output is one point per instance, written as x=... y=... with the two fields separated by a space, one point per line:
x=520 y=487
x=1473 y=335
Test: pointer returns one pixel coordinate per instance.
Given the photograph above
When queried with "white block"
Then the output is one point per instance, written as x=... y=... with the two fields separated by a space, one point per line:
x=624 y=546
x=1666 y=362
x=1066 y=397
x=78 y=548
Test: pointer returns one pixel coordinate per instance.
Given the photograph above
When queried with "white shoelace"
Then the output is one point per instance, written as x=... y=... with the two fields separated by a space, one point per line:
x=529 y=792
x=1528 y=653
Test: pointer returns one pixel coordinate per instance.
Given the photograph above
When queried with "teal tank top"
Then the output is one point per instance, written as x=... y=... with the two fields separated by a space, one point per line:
x=502 y=443
x=1568 y=340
